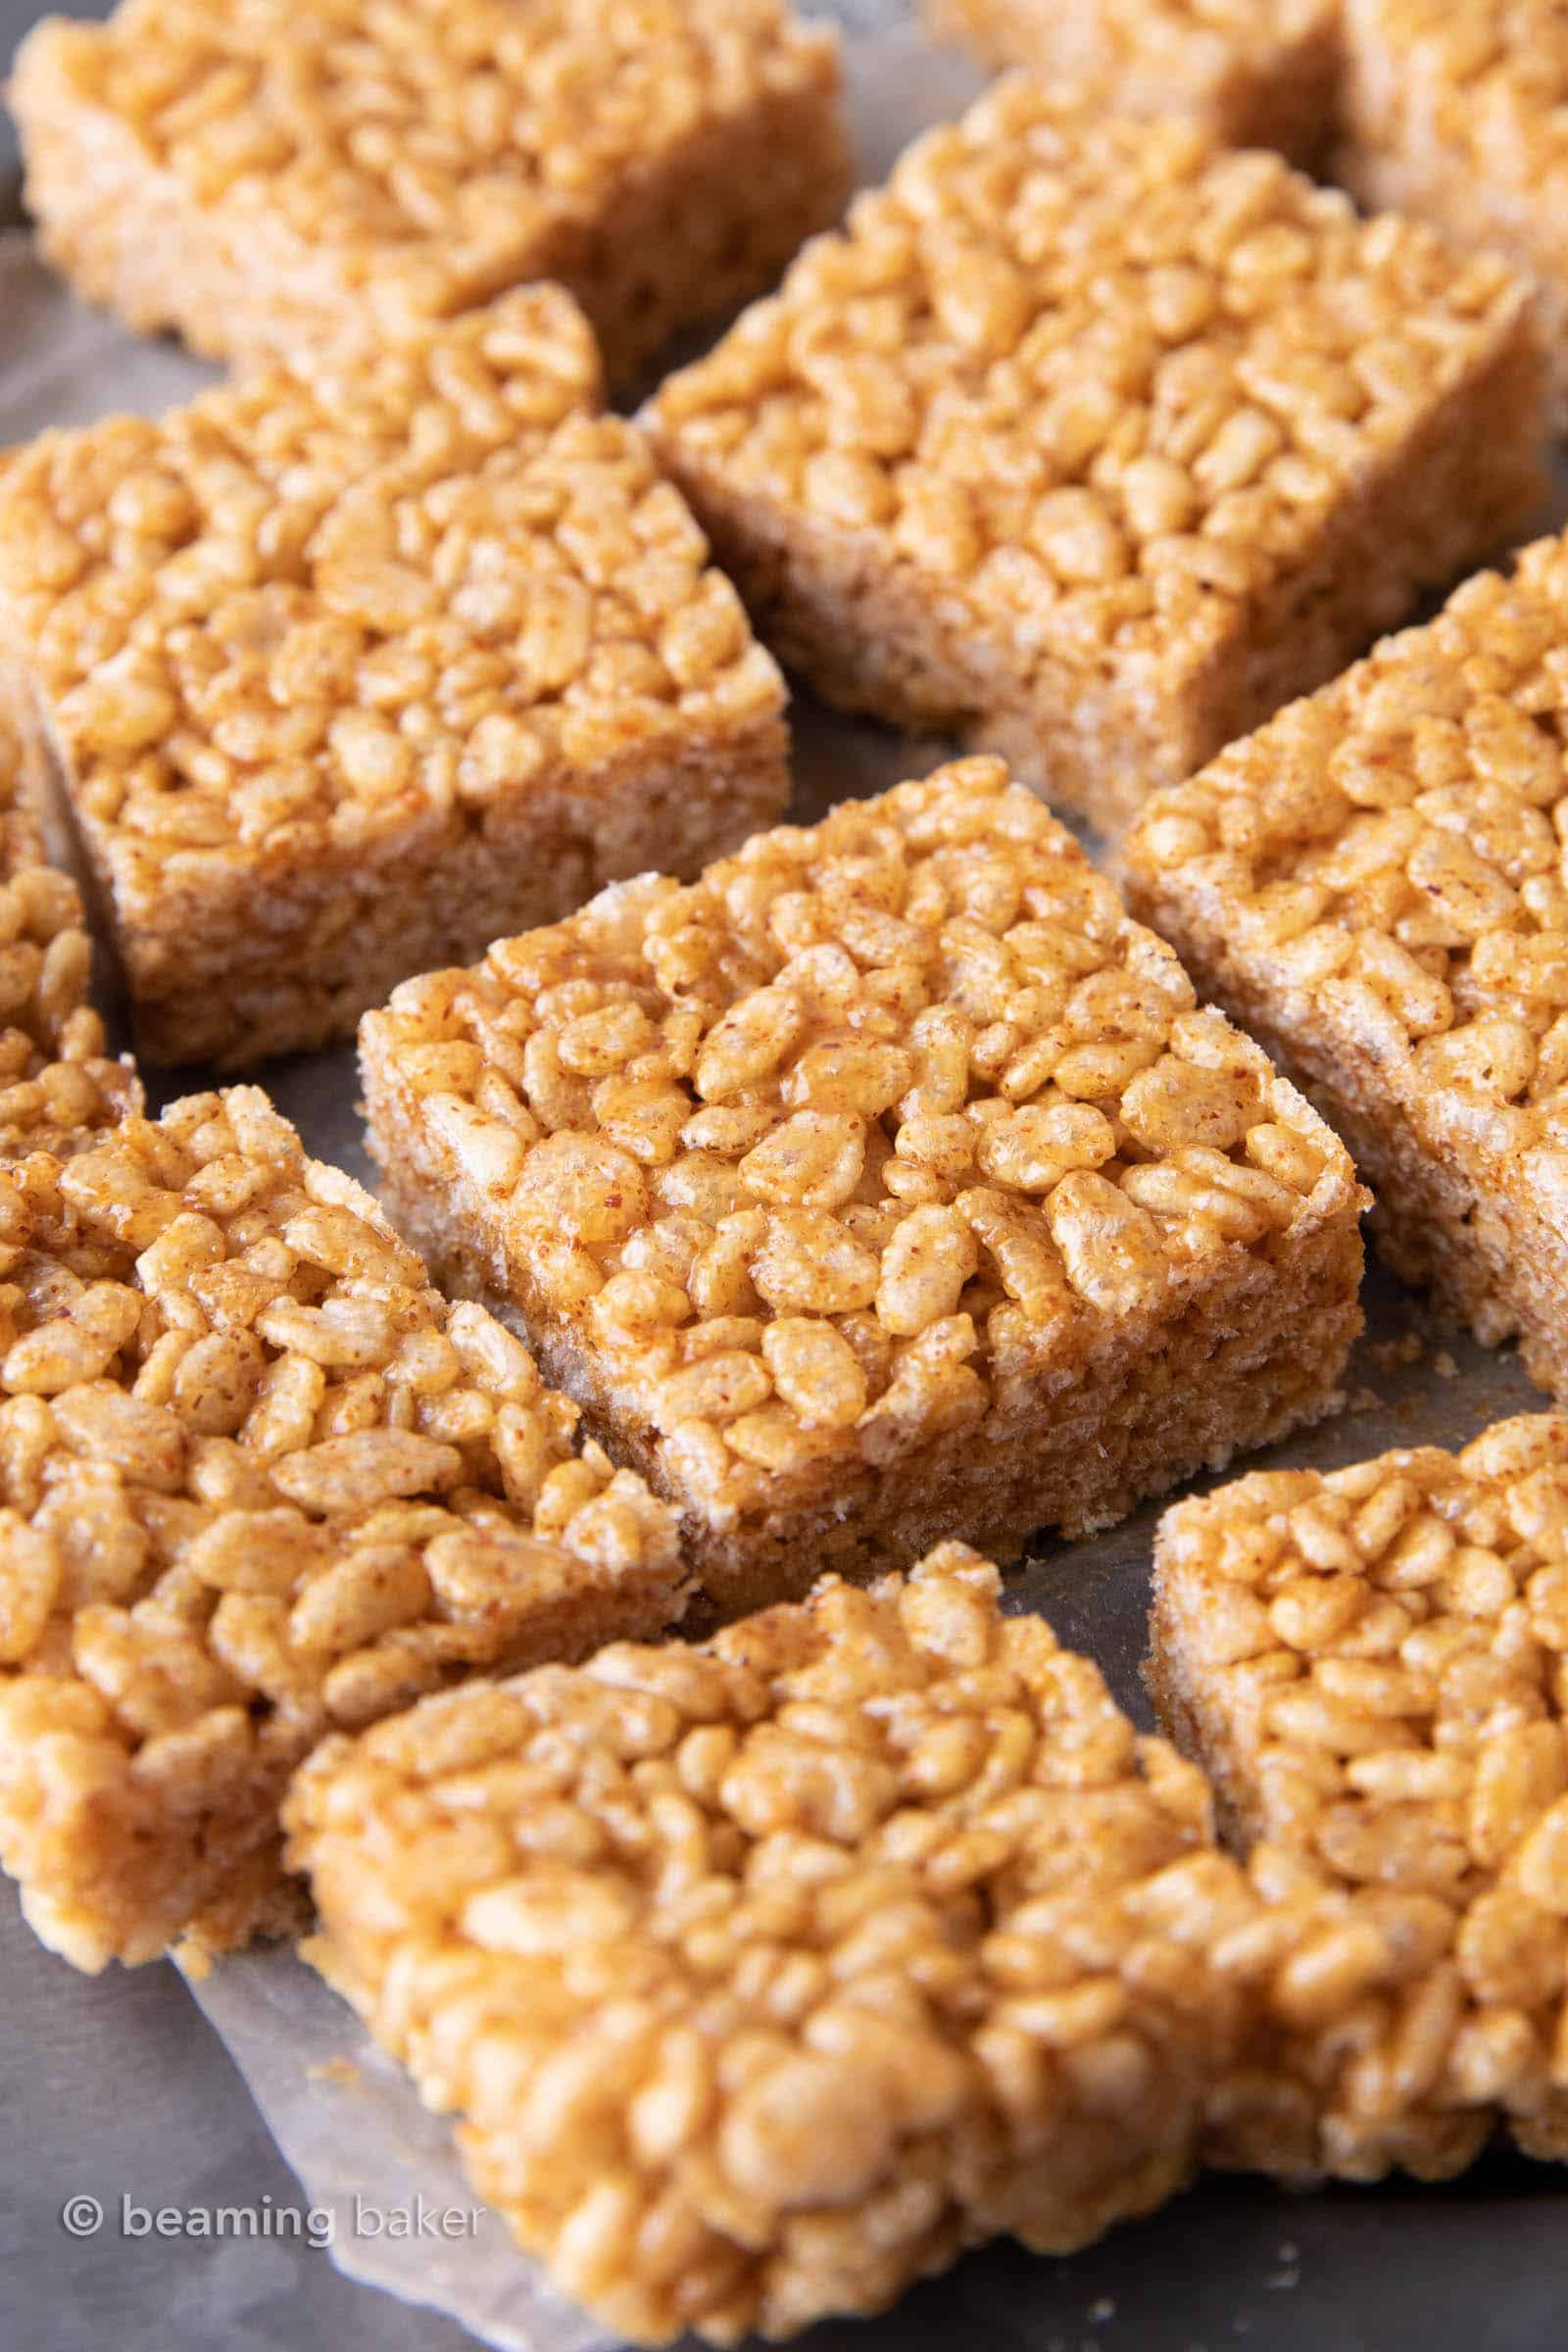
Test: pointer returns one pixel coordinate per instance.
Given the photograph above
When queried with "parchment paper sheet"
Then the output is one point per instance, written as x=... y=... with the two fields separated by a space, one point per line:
x=342 y=2114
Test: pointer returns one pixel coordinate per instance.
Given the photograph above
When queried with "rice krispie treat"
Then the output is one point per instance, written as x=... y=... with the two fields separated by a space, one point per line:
x=257 y=1482
x=1373 y=1668
x=886 y=1184
x=58 y=1089
x=1255 y=73
x=1098 y=443
x=265 y=177
x=767 y=1974
x=1457 y=110
x=348 y=672
x=1373 y=886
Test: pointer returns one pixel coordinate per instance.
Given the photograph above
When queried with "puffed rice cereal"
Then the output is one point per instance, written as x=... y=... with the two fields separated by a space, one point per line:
x=1255 y=73
x=349 y=671
x=886 y=1184
x=767 y=1974
x=265 y=177
x=1098 y=443
x=1375 y=886
x=1456 y=111
x=60 y=1091
x=257 y=1482
x=1373 y=1667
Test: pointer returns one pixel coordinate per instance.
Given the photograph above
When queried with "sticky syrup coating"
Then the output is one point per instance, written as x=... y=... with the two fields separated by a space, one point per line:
x=824 y=1179
x=257 y=1482
x=1373 y=1666
x=767 y=1974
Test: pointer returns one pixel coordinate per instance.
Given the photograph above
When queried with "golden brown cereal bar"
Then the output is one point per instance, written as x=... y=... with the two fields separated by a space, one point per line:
x=1100 y=444
x=1373 y=1667
x=348 y=672
x=58 y=1089
x=257 y=1482
x=266 y=177
x=886 y=1184
x=1454 y=112
x=769 y=1974
x=1255 y=73
x=1373 y=886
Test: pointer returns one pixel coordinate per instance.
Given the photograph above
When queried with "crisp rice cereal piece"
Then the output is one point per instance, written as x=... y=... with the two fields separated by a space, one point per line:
x=769 y=1974
x=885 y=1184
x=1255 y=73
x=257 y=1482
x=60 y=1090
x=346 y=672
x=265 y=177
x=1455 y=111
x=1098 y=443
x=1374 y=885
x=1373 y=1667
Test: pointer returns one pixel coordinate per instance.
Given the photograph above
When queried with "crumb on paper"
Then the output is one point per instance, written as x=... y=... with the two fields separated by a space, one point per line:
x=1444 y=1365
x=341 y=2071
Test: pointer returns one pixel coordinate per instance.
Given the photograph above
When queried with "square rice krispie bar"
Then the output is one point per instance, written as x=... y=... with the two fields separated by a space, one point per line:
x=346 y=672
x=58 y=1089
x=1457 y=110
x=1255 y=73
x=1100 y=443
x=257 y=1482
x=1373 y=1667
x=265 y=177
x=886 y=1185
x=769 y=1974
x=1373 y=886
